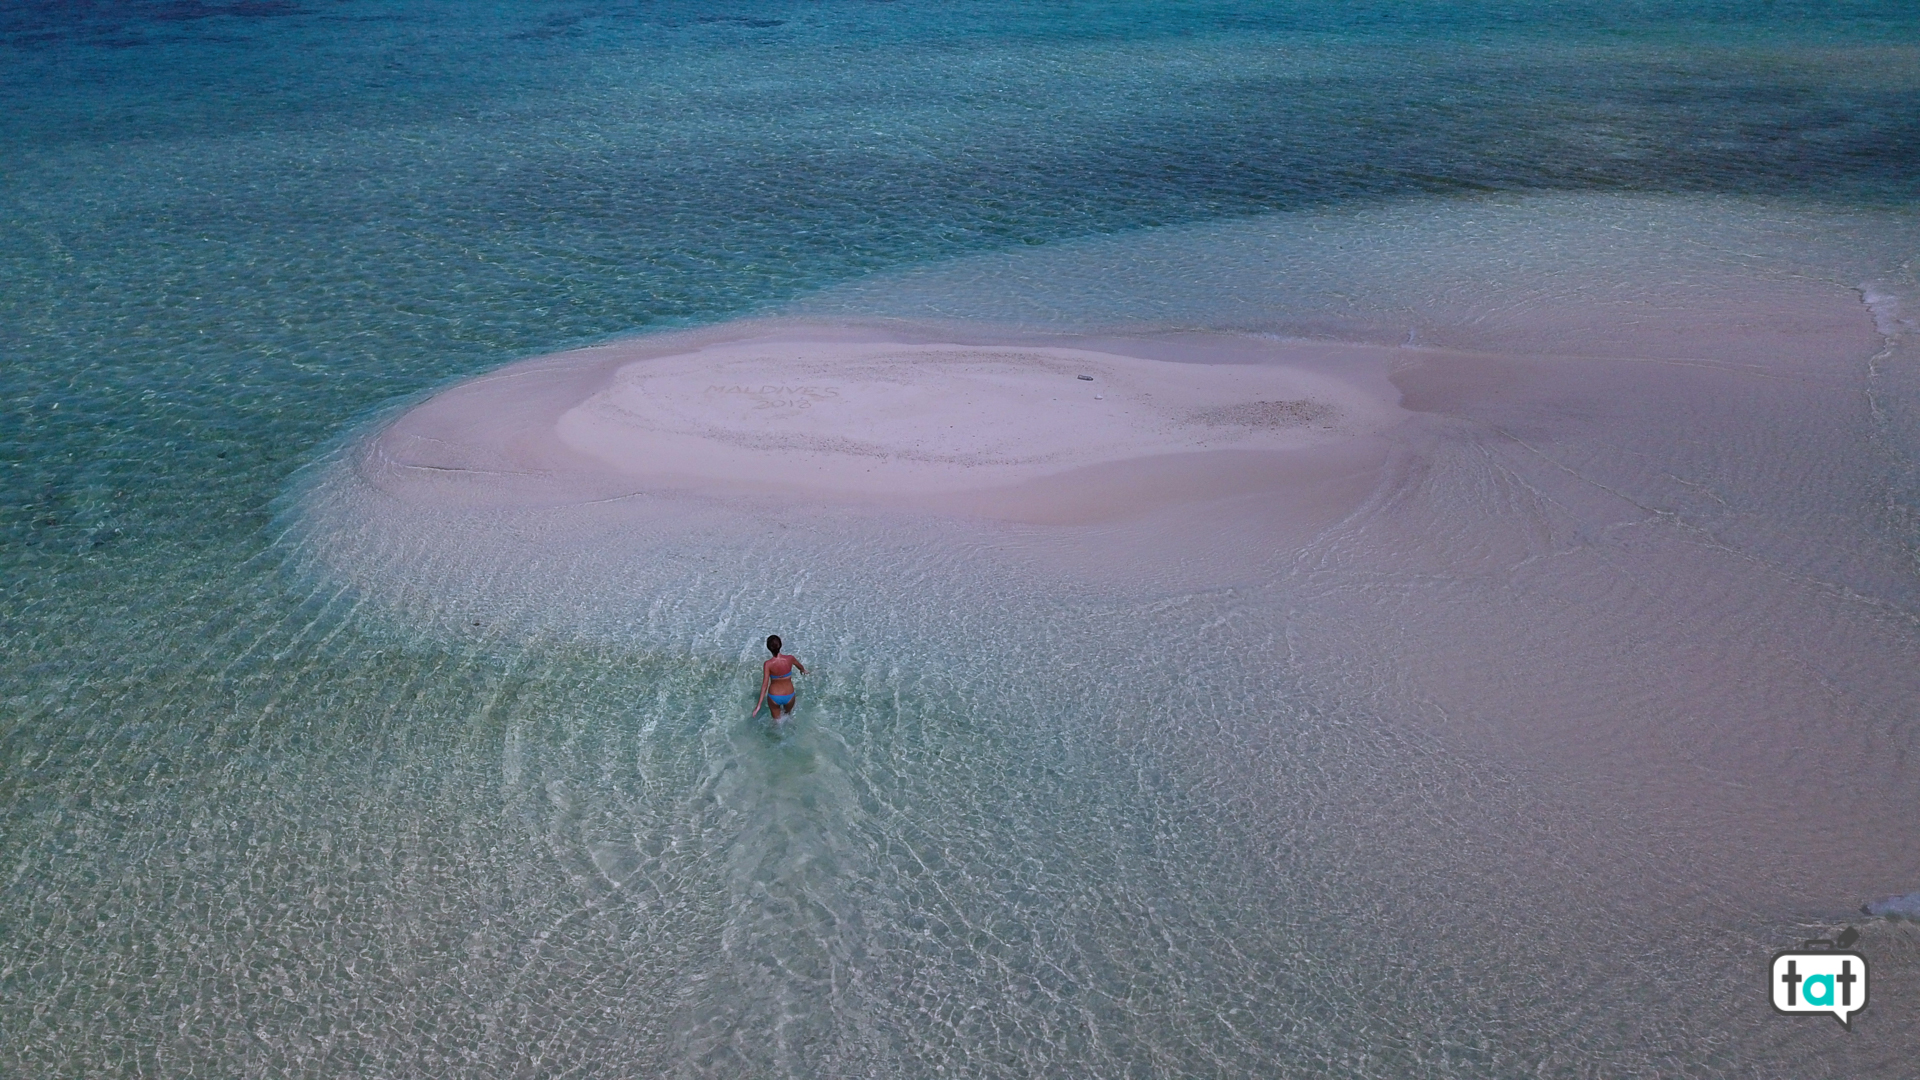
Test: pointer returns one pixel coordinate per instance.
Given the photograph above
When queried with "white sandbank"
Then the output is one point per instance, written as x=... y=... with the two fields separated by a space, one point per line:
x=1066 y=431
x=1631 y=522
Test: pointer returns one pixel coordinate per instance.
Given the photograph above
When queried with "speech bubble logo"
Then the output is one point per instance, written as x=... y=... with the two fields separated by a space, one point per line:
x=1820 y=982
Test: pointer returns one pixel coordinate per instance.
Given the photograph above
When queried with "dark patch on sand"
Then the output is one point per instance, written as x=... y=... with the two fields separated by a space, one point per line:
x=1266 y=414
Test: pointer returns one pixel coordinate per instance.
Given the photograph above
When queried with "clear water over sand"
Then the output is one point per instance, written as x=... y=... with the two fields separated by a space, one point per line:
x=1518 y=758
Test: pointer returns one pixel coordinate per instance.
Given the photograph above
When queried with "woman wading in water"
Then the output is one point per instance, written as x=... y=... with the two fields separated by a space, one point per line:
x=776 y=682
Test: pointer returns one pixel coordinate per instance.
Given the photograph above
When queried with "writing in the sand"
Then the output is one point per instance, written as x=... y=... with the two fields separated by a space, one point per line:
x=769 y=396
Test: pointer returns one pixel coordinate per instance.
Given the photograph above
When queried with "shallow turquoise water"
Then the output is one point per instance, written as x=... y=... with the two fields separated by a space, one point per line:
x=257 y=823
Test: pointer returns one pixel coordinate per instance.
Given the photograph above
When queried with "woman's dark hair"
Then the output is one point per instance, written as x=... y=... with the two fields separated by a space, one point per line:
x=773 y=644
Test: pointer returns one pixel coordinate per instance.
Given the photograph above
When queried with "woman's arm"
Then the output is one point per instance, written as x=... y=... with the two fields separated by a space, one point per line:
x=765 y=681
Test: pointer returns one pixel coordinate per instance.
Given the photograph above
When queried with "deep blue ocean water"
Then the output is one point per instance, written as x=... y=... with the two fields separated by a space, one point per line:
x=245 y=824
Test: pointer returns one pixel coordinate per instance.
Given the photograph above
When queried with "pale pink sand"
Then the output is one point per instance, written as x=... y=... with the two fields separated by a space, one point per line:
x=806 y=414
x=1662 y=585
x=1632 y=556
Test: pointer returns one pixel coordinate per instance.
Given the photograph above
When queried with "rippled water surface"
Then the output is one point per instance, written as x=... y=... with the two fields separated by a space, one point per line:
x=492 y=818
